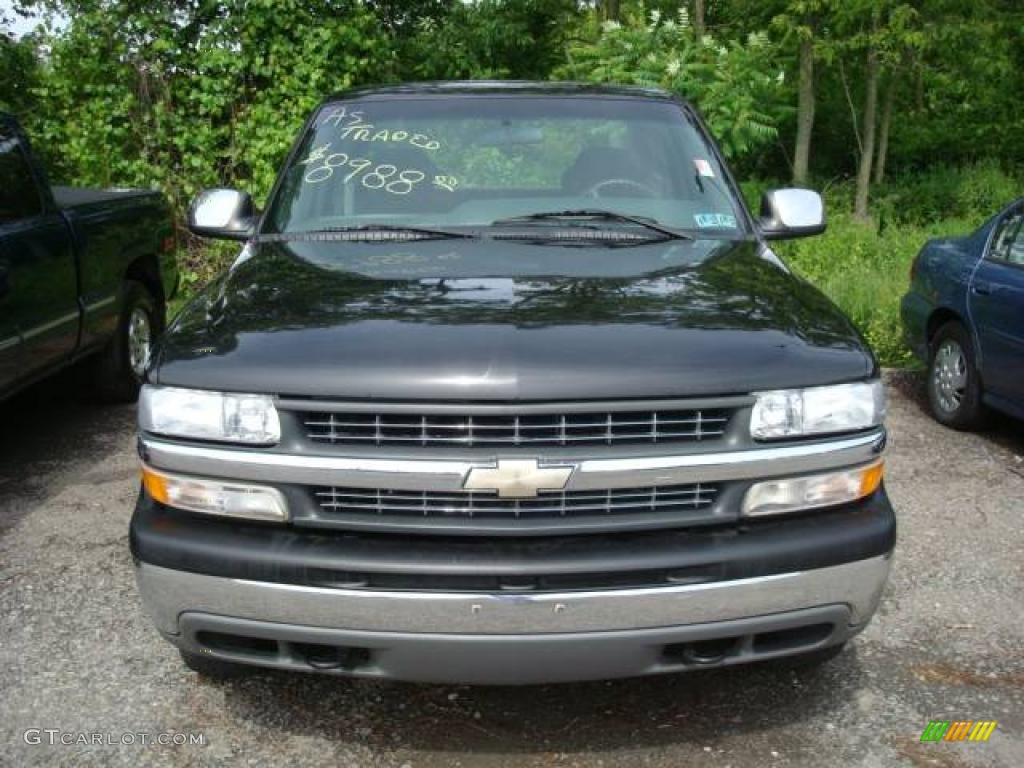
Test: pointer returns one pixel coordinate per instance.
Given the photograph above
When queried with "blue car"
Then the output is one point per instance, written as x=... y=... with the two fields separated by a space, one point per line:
x=964 y=316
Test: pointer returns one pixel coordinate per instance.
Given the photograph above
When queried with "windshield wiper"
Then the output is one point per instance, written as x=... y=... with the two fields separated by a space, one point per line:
x=413 y=233
x=597 y=213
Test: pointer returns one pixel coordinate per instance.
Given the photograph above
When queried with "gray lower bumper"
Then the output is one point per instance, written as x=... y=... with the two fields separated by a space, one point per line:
x=514 y=638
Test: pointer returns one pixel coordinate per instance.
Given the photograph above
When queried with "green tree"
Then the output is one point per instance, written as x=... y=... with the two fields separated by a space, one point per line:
x=19 y=70
x=737 y=84
x=802 y=20
x=187 y=94
x=882 y=31
x=520 y=39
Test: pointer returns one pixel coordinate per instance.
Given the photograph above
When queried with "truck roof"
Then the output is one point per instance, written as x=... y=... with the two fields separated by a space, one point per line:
x=506 y=87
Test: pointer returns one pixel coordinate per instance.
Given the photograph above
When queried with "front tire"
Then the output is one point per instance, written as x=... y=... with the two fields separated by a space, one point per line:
x=954 y=385
x=123 y=363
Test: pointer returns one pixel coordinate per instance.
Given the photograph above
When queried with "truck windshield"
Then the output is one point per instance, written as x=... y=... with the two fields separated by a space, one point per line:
x=476 y=161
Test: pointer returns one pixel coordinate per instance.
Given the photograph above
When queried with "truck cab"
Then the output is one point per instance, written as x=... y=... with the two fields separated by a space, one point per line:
x=83 y=273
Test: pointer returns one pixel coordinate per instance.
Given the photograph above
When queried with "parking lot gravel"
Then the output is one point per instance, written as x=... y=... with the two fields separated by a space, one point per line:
x=78 y=656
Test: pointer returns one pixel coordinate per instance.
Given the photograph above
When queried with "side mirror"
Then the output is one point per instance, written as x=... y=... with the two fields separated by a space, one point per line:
x=787 y=213
x=226 y=214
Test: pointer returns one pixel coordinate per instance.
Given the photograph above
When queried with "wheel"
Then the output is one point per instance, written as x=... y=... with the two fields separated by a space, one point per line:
x=211 y=667
x=123 y=362
x=954 y=386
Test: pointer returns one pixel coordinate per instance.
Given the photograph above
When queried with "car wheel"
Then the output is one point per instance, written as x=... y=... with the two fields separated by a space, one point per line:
x=210 y=667
x=954 y=387
x=122 y=364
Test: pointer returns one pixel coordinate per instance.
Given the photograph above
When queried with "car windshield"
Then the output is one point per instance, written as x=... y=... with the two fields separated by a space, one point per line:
x=477 y=161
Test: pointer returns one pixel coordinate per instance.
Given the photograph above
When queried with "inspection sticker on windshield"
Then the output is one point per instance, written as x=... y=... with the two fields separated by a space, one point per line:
x=715 y=220
x=703 y=167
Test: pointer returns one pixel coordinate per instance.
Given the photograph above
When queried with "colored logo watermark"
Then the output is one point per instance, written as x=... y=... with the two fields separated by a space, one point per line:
x=958 y=730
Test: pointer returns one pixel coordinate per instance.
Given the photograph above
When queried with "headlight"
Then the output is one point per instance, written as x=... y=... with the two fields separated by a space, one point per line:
x=204 y=415
x=225 y=498
x=818 y=411
x=811 y=492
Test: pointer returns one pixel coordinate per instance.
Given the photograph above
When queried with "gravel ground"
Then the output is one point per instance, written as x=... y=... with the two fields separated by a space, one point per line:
x=78 y=654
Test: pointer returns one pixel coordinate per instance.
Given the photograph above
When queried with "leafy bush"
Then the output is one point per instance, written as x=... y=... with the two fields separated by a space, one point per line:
x=157 y=97
x=975 y=191
x=867 y=273
x=864 y=266
x=738 y=85
x=199 y=262
x=19 y=73
x=489 y=39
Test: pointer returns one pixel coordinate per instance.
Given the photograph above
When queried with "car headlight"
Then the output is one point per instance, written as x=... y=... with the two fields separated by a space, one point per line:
x=204 y=415
x=818 y=410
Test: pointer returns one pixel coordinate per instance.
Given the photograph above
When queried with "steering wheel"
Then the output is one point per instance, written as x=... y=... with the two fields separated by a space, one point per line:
x=595 y=191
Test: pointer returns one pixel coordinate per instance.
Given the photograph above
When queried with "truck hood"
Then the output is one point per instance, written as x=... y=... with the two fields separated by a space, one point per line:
x=429 y=320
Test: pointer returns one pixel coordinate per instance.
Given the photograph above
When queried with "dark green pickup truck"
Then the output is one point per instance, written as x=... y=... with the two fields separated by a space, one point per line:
x=83 y=272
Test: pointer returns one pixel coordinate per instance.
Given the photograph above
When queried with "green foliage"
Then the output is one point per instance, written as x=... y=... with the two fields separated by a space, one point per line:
x=186 y=97
x=490 y=39
x=19 y=74
x=865 y=274
x=199 y=262
x=865 y=267
x=737 y=84
x=182 y=95
x=972 y=192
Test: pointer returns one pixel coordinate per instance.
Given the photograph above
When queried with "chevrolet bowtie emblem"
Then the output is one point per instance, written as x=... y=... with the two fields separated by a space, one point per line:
x=518 y=478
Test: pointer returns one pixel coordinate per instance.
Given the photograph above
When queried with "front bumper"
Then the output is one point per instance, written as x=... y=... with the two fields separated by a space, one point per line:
x=272 y=597
x=512 y=638
x=513 y=608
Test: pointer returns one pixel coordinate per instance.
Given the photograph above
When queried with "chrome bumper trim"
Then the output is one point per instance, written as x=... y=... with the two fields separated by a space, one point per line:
x=444 y=475
x=502 y=409
x=167 y=594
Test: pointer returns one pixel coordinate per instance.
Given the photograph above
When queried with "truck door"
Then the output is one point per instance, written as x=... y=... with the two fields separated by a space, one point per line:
x=39 y=312
x=10 y=339
x=997 y=308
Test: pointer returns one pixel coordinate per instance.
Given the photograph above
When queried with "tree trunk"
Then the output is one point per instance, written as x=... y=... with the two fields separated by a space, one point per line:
x=919 y=87
x=804 y=113
x=867 y=154
x=610 y=9
x=883 y=130
x=698 y=18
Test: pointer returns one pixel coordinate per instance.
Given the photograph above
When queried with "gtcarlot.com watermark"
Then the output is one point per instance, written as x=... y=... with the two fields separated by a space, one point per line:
x=57 y=737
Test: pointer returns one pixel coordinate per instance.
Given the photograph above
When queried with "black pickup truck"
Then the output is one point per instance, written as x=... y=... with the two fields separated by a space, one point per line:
x=507 y=386
x=82 y=273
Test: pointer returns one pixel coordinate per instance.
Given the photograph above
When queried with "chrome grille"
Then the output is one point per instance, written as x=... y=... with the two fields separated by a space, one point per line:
x=382 y=502
x=535 y=430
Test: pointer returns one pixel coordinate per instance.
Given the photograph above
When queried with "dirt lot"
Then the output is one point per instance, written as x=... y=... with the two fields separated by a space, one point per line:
x=79 y=656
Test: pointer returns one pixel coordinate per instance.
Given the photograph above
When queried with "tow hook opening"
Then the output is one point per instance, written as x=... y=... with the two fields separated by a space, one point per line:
x=324 y=657
x=703 y=651
x=711 y=651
